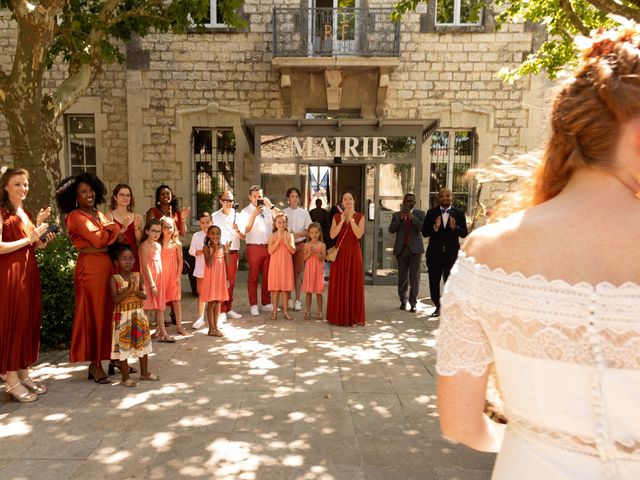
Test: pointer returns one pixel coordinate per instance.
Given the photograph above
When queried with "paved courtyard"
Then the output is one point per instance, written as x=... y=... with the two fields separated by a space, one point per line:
x=272 y=400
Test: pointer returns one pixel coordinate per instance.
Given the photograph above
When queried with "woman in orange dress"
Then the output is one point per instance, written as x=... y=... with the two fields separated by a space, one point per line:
x=167 y=206
x=91 y=234
x=122 y=205
x=345 y=304
x=21 y=305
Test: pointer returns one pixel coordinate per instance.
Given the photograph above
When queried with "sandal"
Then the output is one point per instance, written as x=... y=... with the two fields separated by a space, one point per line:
x=287 y=316
x=215 y=333
x=24 y=397
x=307 y=315
x=182 y=331
x=320 y=316
x=113 y=365
x=152 y=377
x=34 y=387
x=274 y=315
x=167 y=339
x=102 y=380
x=129 y=383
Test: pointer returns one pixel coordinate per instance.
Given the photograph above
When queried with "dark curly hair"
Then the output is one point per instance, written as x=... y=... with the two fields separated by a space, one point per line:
x=116 y=248
x=174 y=200
x=67 y=191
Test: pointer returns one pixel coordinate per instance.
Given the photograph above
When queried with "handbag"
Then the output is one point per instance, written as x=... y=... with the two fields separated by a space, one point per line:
x=332 y=253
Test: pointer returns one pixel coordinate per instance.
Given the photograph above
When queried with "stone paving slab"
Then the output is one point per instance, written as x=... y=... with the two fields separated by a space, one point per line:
x=272 y=400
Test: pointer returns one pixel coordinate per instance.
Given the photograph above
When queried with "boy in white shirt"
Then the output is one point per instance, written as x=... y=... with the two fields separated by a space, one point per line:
x=299 y=220
x=195 y=250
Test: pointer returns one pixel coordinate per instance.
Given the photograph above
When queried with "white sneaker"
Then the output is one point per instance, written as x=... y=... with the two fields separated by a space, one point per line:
x=298 y=306
x=290 y=304
x=198 y=324
x=267 y=308
x=233 y=314
x=222 y=317
x=254 y=310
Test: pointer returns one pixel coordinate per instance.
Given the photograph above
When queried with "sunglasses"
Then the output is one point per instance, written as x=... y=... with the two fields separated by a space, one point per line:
x=227 y=200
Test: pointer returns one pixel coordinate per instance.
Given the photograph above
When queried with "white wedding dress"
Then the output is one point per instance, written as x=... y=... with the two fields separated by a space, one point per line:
x=567 y=359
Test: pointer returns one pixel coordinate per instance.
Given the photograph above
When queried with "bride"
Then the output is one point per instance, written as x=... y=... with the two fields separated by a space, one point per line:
x=550 y=296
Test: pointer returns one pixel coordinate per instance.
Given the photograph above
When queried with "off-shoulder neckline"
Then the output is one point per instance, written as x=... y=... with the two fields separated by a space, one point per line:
x=516 y=275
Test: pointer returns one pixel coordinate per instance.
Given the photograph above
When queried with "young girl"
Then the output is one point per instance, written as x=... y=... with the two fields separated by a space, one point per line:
x=151 y=268
x=171 y=255
x=195 y=250
x=281 y=248
x=131 y=336
x=315 y=252
x=214 y=284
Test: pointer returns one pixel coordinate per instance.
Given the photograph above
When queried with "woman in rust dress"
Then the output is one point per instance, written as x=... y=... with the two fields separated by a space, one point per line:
x=167 y=206
x=21 y=305
x=345 y=305
x=91 y=234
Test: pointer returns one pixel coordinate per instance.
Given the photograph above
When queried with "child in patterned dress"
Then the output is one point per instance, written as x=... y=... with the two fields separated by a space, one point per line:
x=131 y=337
x=315 y=252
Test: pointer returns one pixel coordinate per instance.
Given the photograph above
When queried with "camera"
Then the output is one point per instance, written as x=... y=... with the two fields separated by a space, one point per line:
x=53 y=228
x=260 y=202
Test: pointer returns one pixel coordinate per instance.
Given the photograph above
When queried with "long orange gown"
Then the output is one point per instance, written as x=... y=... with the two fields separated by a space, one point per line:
x=21 y=304
x=345 y=305
x=91 y=335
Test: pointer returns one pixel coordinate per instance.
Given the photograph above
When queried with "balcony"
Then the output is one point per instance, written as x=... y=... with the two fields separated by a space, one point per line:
x=335 y=32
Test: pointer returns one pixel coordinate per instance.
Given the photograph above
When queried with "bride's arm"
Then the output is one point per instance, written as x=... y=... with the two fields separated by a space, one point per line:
x=461 y=402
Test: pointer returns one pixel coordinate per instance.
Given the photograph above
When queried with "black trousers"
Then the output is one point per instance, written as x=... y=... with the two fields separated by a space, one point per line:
x=439 y=265
x=408 y=276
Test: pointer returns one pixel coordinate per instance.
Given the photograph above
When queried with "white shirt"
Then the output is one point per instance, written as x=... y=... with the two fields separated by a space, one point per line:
x=197 y=243
x=445 y=215
x=225 y=222
x=262 y=225
x=299 y=220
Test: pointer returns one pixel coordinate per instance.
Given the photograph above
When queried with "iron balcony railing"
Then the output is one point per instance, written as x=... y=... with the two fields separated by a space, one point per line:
x=363 y=32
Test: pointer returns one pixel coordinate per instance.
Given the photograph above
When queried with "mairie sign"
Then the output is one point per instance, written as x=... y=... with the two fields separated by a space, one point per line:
x=347 y=147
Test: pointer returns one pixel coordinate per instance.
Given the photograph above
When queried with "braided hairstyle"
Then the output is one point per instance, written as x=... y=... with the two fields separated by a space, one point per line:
x=590 y=110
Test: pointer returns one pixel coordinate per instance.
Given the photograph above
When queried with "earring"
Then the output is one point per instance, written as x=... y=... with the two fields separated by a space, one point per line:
x=76 y=203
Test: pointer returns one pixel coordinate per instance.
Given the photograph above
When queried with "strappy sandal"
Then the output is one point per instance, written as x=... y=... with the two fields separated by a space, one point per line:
x=215 y=333
x=102 y=380
x=24 y=397
x=34 y=387
x=287 y=316
x=320 y=316
x=307 y=315
x=152 y=377
x=167 y=339
x=182 y=331
x=129 y=383
x=274 y=315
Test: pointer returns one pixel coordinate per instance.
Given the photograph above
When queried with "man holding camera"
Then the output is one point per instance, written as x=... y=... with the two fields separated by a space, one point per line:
x=408 y=249
x=444 y=225
x=258 y=222
x=227 y=219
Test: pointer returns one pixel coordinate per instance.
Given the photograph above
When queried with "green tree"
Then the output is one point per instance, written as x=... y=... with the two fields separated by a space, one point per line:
x=563 y=20
x=82 y=36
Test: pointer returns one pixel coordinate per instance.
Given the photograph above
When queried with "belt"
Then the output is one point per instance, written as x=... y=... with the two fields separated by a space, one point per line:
x=256 y=244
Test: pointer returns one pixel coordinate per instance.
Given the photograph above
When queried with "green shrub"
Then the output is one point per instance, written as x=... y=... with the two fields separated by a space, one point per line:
x=57 y=263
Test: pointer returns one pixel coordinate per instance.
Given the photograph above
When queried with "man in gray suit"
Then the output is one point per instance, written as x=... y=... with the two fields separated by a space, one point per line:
x=408 y=249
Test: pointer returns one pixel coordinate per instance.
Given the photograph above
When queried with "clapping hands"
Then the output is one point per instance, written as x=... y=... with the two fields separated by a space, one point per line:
x=43 y=214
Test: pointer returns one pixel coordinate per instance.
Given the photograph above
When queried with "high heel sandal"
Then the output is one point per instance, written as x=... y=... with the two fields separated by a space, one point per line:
x=274 y=315
x=307 y=315
x=102 y=380
x=25 y=397
x=287 y=316
x=34 y=387
x=129 y=383
x=113 y=366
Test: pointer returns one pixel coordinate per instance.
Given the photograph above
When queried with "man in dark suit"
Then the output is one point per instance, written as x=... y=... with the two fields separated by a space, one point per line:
x=408 y=248
x=444 y=225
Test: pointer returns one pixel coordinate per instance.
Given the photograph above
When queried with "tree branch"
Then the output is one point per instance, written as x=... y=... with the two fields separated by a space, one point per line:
x=573 y=17
x=20 y=8
x=609 y=6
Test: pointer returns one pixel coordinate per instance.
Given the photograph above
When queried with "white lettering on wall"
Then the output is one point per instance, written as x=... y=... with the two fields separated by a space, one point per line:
x=349 y=147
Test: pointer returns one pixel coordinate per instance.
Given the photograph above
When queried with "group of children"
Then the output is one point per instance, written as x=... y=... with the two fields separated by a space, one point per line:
x=157 y=284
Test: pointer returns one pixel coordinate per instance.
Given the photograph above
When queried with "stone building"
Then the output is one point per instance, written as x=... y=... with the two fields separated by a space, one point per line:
x=308 y=95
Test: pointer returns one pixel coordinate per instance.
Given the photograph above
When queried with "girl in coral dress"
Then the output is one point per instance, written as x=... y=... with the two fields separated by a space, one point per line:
x=172 y=269
x=131 y=337
x=281 y=248
x=151 y=268
x=214 y=284
x=315 y=252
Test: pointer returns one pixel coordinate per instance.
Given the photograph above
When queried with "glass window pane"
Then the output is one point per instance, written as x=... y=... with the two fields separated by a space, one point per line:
x=463 y=143
x=444 y=11
x=81 y=125
x=470 y=11
x=202 y=142
x=226 y=141
x=90 y=151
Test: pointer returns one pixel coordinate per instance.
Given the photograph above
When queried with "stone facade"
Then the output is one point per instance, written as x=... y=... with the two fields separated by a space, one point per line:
x=145 y=110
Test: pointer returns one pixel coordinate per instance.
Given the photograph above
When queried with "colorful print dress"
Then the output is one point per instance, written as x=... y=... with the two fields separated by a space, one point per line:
x=131 y=336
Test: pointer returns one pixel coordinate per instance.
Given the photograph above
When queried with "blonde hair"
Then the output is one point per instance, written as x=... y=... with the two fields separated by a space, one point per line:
x=175 y=238
x=274 y=228
x=316 y=226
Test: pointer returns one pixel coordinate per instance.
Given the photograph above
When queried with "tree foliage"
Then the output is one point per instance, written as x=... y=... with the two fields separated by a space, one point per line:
x=563 y=20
